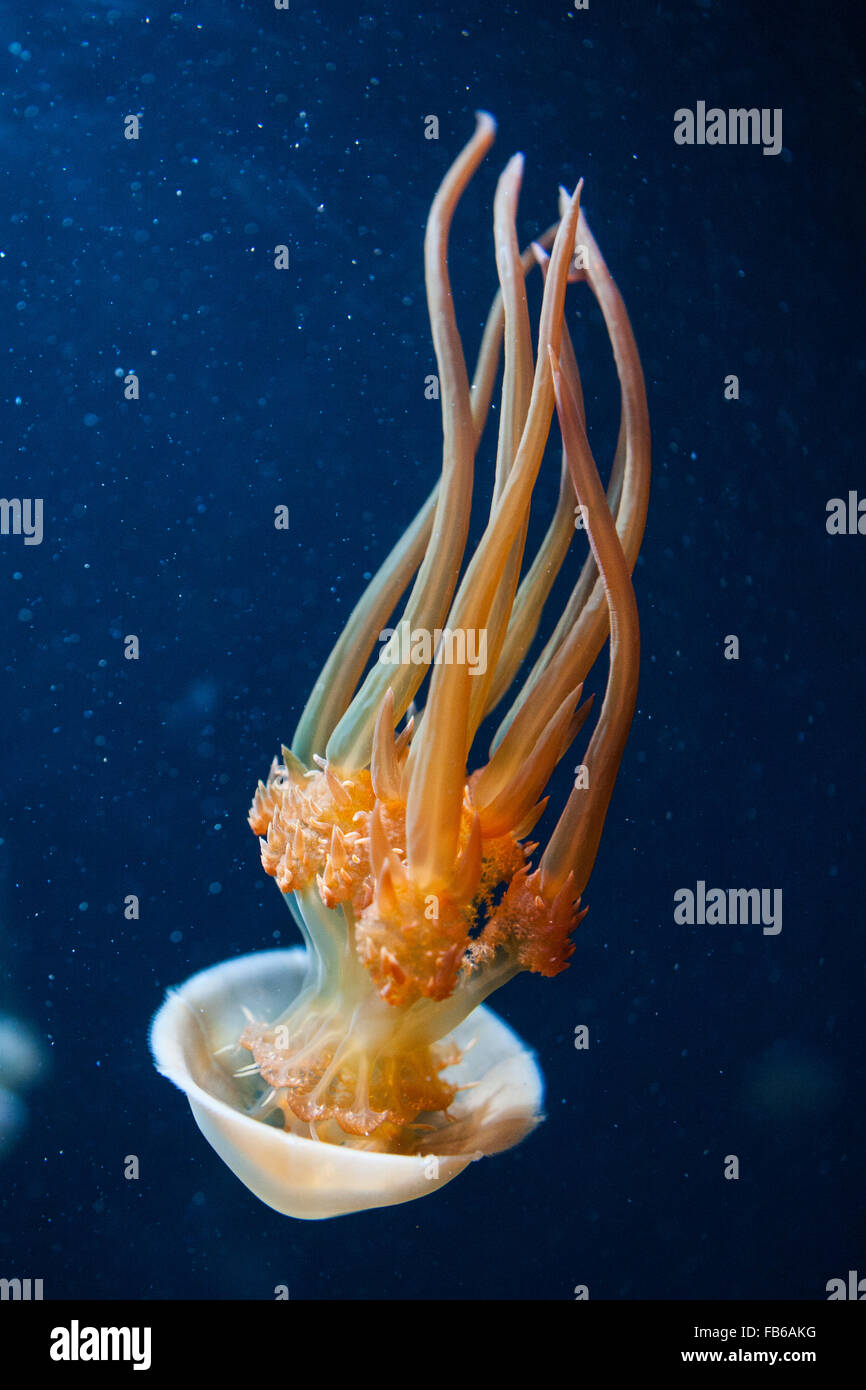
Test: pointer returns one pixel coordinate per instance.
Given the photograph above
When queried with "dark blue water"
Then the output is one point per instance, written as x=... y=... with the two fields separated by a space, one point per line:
x=306 y=389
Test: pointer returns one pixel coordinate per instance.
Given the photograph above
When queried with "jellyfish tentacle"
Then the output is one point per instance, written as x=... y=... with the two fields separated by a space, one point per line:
x=467 y=871
x=516 y=396
x=553 y=684
x=488 y=356
x=350 y=744
x=518 y=745
x=573 y=845
x=533 y=593
x=341 y=673
x=504 y=805
x=333 y=691
x=535 y=587
x=582 y=630
x=385 y=772
x=519 y=366
x=437 y=759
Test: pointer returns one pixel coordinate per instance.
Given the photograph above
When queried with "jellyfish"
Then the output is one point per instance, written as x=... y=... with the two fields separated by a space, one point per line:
x=365 y=1069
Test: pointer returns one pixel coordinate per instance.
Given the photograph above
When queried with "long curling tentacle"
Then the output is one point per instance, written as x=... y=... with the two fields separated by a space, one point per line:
x=573 y=845
x=336 y=685
x=582 y=630
x=437 y=760
x=350 y=744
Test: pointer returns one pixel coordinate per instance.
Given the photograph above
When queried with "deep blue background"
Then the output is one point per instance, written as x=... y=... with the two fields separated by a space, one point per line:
x=306 y=388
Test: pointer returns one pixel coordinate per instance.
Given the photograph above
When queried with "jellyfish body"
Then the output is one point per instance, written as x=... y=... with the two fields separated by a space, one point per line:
x=298 y=1176
x=413 y=881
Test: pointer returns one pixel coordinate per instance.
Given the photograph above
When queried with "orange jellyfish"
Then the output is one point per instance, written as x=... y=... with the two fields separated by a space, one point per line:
x=365 y=1069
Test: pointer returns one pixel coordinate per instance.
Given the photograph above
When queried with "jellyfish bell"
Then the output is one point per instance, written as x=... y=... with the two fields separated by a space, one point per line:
x=193 y=1037
x=366 y=1070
